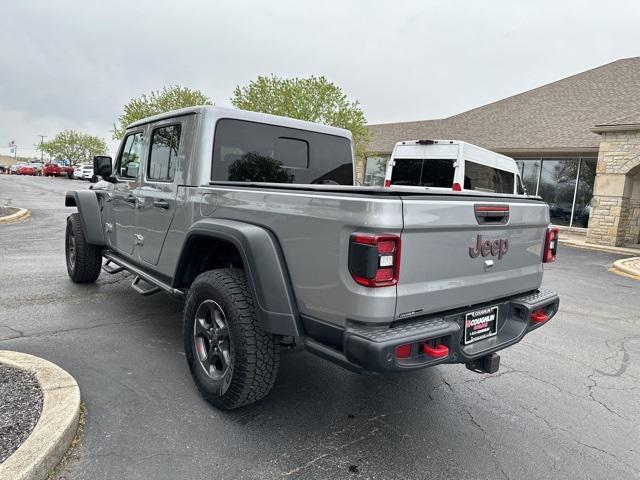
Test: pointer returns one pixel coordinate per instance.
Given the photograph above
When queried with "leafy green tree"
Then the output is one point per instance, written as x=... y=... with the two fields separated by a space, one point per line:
x=314 y=99
x=253 y=167
x=158 y=101
x=74 y=146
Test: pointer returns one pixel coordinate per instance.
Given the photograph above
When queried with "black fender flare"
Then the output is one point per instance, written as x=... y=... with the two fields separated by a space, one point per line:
x=265 y=269
x=90 y=218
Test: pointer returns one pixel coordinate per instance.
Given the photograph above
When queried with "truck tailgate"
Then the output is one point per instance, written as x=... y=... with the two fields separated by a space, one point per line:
x=446 y=262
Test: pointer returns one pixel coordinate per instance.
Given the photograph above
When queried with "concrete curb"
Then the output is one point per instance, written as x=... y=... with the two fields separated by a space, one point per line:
x=20 y=214
x=57 y=425
x=599 y=248
x=630 y=266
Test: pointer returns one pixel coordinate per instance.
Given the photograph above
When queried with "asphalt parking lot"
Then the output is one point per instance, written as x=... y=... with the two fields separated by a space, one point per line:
x=565 y=404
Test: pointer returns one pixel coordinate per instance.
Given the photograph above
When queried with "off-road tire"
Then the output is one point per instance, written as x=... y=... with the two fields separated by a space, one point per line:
x=255 y=354
x=86 y=263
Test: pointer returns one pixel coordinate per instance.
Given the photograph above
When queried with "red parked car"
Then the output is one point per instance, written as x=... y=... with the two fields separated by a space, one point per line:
x=54 y=169
x=51 y=169
x=27 y=170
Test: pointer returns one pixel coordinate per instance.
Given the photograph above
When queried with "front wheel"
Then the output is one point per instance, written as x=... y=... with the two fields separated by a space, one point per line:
x=232 y=360
x=84 y=260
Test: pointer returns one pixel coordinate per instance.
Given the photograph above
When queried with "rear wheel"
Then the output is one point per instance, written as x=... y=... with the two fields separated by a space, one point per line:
x=84 y=260
x=232 y=361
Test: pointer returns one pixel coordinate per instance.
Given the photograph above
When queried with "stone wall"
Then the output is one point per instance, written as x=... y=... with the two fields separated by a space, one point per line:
x=615 y=213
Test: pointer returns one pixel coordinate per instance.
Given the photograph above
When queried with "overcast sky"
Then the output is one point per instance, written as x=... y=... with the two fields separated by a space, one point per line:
x=75 y=64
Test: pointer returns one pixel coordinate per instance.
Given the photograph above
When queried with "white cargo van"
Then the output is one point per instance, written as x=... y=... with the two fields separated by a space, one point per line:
x=452 y=165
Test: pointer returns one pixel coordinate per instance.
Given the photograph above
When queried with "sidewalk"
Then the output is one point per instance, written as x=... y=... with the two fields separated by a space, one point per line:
x=579 y=240
x=627 y=266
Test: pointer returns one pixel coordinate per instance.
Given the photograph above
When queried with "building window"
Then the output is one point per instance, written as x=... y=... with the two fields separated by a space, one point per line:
x=374 y=171
x=584 y=192
x=566 y=184
x=557 y=186
x=530 y=173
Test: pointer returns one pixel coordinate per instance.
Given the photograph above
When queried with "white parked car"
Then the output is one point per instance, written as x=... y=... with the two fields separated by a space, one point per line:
x=452 y=165
x=87 y=172
x=83 y=172
x=77 y=172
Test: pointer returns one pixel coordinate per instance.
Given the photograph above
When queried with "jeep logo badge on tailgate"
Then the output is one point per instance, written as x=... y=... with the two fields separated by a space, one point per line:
x=497 y=247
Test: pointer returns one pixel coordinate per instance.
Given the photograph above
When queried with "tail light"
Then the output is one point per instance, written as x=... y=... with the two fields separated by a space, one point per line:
x=551 y=245
x=387 y=183
x=457 y=187
x=374 y=260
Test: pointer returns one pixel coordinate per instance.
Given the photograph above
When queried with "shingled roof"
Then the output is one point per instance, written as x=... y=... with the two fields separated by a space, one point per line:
x=555 y=117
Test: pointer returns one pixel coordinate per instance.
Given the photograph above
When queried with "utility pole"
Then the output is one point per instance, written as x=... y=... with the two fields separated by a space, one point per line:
x=42 y=137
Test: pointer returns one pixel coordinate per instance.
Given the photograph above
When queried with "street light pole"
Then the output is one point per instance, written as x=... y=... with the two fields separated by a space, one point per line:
x=42 y=137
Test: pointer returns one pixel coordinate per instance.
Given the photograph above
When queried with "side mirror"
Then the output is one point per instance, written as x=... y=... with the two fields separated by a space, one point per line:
x=102 y=166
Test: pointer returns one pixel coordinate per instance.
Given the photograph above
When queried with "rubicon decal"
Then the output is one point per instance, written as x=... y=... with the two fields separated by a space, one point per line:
x=498 y=247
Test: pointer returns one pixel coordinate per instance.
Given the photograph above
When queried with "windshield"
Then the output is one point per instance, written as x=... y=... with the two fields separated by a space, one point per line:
x=430 y=172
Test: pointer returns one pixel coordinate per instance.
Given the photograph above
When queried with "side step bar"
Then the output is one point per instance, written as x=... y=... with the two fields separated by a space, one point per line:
x=136 y=286
x=140 y=275
x=111 y=269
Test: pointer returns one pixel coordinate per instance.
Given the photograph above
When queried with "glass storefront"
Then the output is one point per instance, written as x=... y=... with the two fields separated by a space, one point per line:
x=566 y=184
x=374 y=171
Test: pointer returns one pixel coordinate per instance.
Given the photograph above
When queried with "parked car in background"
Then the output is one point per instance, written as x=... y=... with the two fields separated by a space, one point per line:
x=38 y=166
x=77 y=172
x=57 y=169
x=452 y=165
x=51 y=169
x=67 y=170
x=87 y=172
x=26 y=169
x=3 y=169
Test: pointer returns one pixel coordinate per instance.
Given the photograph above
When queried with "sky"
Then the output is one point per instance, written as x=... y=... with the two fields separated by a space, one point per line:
x=74 y=65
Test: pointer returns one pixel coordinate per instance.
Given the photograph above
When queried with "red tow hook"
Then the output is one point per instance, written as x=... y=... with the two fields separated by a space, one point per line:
x=539 y=316
x=439 y=351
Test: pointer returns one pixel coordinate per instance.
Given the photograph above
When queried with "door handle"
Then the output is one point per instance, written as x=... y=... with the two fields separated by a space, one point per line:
x=161 y=204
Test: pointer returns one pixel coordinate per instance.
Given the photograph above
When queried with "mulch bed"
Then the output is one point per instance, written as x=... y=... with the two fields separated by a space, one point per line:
x=20 y=407
x=4 y=211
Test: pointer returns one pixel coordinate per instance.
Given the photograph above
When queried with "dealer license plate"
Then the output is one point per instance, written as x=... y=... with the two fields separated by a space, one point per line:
x=480 y=324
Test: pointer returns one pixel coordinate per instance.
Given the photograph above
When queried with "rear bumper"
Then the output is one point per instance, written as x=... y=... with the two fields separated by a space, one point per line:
x=373 y=348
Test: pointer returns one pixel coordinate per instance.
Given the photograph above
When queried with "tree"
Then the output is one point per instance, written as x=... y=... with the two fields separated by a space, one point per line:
x=314 y=99
x=253 y=167
x=158 y=101
x=74 y=146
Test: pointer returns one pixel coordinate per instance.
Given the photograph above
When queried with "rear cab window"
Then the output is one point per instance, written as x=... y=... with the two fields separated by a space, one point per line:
x=246 y=151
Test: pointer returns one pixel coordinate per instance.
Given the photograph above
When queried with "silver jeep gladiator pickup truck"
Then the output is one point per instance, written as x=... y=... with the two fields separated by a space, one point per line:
x=255 y=221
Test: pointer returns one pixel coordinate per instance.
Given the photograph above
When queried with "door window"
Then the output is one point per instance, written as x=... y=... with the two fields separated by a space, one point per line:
x=164 y=153
x=129 y=161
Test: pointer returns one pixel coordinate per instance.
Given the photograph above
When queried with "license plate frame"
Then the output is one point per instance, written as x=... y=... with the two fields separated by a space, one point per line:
x=477 y=327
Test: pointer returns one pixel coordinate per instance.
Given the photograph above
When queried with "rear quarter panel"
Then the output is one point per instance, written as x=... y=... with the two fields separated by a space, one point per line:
x=313 y=229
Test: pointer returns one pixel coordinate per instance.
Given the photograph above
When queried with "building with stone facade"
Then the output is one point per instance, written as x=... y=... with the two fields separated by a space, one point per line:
x=576 y=142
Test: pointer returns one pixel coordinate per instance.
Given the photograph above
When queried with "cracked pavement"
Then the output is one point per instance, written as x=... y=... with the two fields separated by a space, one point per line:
x=565 y=403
